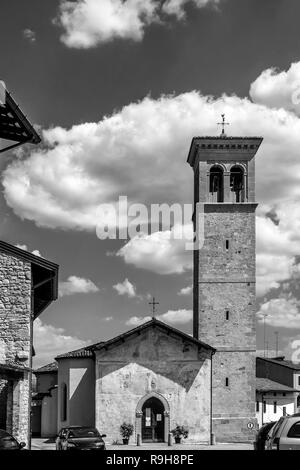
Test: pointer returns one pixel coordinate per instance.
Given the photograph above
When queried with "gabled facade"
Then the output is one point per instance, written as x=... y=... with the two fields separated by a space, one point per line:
x=153 y=376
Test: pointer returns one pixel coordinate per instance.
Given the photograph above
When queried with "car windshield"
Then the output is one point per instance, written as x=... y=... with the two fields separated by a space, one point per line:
x=275 y=428
x=83 y=432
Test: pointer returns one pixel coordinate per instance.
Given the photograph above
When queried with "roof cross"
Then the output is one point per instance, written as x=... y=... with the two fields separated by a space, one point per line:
x=223 y=124
x=153 y=304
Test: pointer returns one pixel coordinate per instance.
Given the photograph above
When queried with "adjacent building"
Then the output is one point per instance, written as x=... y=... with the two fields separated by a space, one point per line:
x=28 y=284
x=278 y=388
x=274 y=400
x=44 y=401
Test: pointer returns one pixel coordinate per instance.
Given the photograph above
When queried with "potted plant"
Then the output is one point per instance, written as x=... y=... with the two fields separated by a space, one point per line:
x=126 y=430
x=179 y=432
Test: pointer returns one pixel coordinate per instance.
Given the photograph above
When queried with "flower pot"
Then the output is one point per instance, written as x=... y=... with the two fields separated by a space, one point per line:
x=177 y=440
x=125 y=441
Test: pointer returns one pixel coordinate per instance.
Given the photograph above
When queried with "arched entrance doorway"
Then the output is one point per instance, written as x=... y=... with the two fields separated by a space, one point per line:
x=153 y=421
x=156 y=429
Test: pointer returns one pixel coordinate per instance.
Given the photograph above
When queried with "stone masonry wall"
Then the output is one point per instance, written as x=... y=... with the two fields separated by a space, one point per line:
x=226 y=314
x=15 y=307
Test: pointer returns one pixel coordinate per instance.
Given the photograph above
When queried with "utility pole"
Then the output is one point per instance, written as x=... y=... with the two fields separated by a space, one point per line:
x=265 y=315
x=277 y=343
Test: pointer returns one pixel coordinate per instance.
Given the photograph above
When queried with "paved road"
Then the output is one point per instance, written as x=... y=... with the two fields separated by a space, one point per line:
x=48 y=444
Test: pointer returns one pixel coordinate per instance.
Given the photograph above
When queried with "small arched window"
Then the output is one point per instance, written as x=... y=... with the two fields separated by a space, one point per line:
x=237 y=184
x=216 y=184
x=64 y=402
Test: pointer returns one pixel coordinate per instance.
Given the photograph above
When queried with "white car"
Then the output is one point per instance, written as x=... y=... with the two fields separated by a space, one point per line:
x=285 y=434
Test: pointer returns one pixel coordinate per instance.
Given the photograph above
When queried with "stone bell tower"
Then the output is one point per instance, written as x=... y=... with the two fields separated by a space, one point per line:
x=224 y=276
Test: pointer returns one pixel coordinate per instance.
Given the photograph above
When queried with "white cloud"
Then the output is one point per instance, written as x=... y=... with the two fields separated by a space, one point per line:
x=22 y=247
x=50 y=341
x=126 y=288
x=76 y=285
x=282 y=312
x=36 y=253
x=137 y=321
x=93 y=163
x=159 y=252
x=278 y=89
x=176 y=7
x=175 y=317
x=186 y=290
x=25 y=248
x=278 y=245
x=87 y=23
x=292 y=349
x=108 y=319
x=29 y=34
x=271 y=270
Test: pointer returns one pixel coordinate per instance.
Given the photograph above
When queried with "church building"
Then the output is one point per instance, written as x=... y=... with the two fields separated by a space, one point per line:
x=155 y=376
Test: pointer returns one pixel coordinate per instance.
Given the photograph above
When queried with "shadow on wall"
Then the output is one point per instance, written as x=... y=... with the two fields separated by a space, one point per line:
x=182 y=375
x=80 y=406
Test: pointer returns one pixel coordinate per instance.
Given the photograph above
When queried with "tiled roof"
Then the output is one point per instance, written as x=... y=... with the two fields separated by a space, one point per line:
x=281 y=362
x=88 y=351
x=47 y=368
x=267 y=385
x=13 y=367
x=226 y=137
x=82 y=352
x=153 y=323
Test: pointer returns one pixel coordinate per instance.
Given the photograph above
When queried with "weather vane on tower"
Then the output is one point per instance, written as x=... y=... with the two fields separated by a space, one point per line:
x=223 y=124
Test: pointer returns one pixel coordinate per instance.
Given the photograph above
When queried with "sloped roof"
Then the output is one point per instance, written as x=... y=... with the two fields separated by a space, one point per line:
x=281 y=362
x=15 y=128
x=88 y=351
x=53 y=367
x=153 y=323
x=79 y=353
x=267 y=385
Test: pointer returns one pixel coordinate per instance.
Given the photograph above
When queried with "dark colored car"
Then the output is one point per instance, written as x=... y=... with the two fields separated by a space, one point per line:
x=261 y=436
x=9 y=442
x=80 y=438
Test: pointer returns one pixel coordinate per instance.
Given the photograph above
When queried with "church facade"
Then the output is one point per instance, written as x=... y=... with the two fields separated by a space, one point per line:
x=153 y=377
x=156 y=377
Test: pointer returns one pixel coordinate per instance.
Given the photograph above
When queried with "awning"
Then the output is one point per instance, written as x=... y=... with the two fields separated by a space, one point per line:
x=15 y=129
x=44 y=276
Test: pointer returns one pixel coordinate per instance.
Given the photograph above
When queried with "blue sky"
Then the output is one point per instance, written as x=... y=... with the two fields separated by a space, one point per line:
x=118 y=90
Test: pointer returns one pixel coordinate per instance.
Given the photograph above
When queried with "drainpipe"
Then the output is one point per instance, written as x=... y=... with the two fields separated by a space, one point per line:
x=30 y=367
x=212 y=437
x=262 y=409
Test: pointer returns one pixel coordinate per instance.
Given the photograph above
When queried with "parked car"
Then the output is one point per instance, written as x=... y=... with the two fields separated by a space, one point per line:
x=80 y=438
x=261 y=436
x=285 y=435
x=9 y=442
